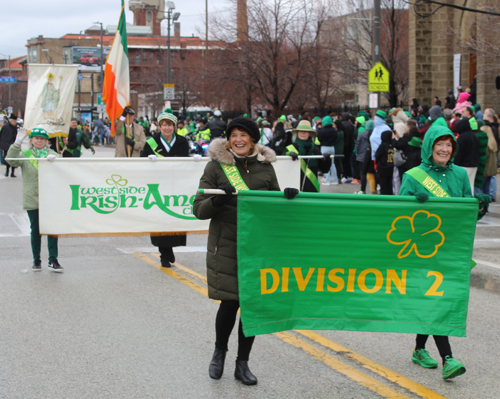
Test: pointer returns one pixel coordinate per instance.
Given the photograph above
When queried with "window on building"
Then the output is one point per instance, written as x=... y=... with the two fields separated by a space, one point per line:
x=137 y=58
x=149 y=15
x=144 y=55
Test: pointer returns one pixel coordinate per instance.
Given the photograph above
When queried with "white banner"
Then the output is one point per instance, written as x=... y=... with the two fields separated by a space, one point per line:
x=51 y=93
x=456 y=73
x=81 y=196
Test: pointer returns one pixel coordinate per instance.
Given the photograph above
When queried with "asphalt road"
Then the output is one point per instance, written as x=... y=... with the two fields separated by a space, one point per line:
x=117 y=325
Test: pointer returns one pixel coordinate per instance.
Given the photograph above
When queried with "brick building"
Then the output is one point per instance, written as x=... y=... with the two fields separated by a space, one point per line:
x=449 y=42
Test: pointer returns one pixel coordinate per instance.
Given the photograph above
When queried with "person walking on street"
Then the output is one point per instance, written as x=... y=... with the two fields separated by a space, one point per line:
x=38 y=149
x=217 y=126
x=167 y=143
x=249 y=165
x=7 y=137
x=327 y=136
x=71 y=146
x=438 y=150
x=129 y=136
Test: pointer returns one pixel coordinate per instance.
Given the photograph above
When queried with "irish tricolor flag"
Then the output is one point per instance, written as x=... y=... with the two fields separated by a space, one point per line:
x=116 y=89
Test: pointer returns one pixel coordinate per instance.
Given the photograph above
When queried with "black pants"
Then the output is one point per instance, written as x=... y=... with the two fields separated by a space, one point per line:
x=224 y=323
x=385 y=185
x=442 y=343
x=340 y=168
x=362 y=175
x=347 y=163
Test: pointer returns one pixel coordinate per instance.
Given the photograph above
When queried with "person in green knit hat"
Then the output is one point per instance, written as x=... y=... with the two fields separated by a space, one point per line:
x=438 y=150
x=38 y=140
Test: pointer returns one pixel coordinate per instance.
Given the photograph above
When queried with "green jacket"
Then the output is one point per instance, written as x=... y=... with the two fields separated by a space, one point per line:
x=452 y=178
x=222 y=270
x=30 y=176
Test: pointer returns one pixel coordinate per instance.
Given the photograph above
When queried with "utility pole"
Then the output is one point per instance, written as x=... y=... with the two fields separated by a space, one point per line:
x=10 y=105
x=377 y=16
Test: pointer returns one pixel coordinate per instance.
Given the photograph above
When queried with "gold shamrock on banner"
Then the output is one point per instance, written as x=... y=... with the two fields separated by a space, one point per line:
x=420 y=233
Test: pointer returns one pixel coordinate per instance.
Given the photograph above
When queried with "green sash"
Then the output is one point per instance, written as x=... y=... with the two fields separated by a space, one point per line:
x=234 y=177
x=428 y=182
x=29 y=154
x=154 y=145
x=305 y=169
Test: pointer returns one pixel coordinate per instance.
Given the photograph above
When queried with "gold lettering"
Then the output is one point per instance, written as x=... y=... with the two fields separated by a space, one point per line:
x=399 y=283
x=433 y=291
x=284 y=279
x=321 y=279
x=332 y=276
x=379 y=280
x=263 y=281
x=351 y=279
x=301 y=282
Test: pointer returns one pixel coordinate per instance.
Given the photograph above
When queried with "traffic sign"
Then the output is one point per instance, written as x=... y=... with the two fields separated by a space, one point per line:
x=169 y=91
x=378 y=78
x=8 y=79
x=101 y=107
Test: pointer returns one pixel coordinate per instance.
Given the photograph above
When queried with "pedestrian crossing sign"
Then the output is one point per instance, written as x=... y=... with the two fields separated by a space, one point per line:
x=378 y=78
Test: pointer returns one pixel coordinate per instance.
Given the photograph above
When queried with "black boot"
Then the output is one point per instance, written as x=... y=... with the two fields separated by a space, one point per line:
x=243 y=373
x=217 y=364
x=12 y=173
x=7 y=171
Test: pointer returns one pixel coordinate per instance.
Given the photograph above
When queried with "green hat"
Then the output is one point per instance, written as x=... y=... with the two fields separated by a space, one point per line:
x=283 y=118
x=245 y=115
x=381 y=114
x=167 y=115
x=39 y=132
x=327 y=121
x=361 y=120
x=304 y=126
x=480 y=123
x=316 y=118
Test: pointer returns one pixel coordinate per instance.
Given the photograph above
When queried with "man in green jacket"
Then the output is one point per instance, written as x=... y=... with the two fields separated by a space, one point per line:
x=72 y=145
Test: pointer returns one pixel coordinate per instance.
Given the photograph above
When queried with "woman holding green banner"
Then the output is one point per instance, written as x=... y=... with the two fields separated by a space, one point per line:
x=238 y=163
x=39 y=140
x=438 y=176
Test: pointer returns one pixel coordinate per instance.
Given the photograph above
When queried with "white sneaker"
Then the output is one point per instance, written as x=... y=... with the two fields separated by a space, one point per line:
x=335 y=184
x=359 y=192
x=326 y=184
x=343 y=180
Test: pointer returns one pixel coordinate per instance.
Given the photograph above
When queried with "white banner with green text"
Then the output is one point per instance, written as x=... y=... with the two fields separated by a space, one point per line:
x=124 y=196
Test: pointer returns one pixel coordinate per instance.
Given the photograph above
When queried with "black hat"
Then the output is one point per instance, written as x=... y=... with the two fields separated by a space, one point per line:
x=246 y=124
x=13 y=116
x=128 y=111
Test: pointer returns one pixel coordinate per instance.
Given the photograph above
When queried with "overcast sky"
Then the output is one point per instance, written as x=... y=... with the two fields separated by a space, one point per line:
x=54 y=18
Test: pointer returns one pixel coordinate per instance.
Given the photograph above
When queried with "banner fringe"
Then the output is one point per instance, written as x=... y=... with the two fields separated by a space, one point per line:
x=138 y=234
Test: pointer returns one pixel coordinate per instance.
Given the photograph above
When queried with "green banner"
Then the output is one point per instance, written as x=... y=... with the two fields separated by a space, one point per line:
x=357 y=263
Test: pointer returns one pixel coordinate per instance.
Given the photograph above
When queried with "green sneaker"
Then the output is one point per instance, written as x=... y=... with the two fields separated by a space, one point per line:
x=422 y=357
x=452 y=368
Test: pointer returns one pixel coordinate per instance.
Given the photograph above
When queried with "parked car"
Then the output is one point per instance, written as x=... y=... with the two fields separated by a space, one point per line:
x=89 y=59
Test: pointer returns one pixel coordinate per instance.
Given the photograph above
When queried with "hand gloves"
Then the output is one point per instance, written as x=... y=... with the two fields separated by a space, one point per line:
x=197 y=157
x=152 y=157
x=21 y=134
x=51 y=157
x=294 y=156
x=290 y=193
x=484 y=202
x=422 y=197
x=130 y=142
x=326 y=155
x=220 y=200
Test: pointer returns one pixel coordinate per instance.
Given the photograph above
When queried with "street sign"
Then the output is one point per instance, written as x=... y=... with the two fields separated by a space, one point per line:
x=373 y=100
x=169 y=91
x=8 y=79
x=101 y=107
x=378 y=78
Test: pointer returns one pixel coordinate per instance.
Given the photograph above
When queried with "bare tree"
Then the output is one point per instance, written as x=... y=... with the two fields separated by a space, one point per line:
x=282 y=35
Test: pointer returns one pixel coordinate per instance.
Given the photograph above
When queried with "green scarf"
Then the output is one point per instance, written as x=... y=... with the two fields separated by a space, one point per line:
x=40 y=153
x=307 y=148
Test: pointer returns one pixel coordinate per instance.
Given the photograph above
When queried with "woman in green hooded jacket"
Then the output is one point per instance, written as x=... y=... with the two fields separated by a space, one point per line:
x=438 y=150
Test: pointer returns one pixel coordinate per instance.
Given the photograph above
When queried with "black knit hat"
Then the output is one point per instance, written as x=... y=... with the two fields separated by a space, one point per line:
x=246 y=124
x=13 y=116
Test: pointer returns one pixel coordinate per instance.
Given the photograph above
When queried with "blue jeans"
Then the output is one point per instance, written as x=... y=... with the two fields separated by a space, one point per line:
x=332 y=174
x=493 y=187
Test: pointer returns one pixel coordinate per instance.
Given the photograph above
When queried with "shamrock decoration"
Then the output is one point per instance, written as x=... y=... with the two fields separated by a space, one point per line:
x=117 y=181
x=419 y=232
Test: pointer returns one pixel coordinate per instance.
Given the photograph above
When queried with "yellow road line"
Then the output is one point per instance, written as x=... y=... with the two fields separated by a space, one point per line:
x=337 y=365
x=170 y=272
x=317 y=354
x=372 y=366
x=185 y=269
